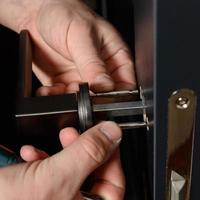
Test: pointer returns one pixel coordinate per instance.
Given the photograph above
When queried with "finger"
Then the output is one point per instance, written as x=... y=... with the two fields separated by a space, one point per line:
x=121 y=69
x=88 y=152
x=71 y=78
x=85 y=51
x=30 y=153
x=68 y=136
x=56 y=89
x=72 y=87
x=117 y=57
x=110 y=183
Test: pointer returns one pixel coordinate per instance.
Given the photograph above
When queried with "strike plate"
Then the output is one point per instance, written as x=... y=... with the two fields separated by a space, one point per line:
x=181 y=120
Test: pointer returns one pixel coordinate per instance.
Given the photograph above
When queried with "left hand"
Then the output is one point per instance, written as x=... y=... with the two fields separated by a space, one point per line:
x=72 y=44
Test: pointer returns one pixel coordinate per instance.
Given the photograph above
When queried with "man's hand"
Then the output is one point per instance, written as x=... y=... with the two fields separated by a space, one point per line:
x=61 y=175
x=72 y=45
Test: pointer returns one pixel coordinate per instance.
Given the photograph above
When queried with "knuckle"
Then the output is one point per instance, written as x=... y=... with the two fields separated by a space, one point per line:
x=97 y=151
x=92 y=61
x=84 y=22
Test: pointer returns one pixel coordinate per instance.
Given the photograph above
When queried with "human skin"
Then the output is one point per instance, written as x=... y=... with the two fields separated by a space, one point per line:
x=71 y=45
x=61 y=175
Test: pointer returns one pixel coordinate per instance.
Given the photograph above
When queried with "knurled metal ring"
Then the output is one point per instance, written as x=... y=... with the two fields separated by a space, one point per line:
x=84 y=107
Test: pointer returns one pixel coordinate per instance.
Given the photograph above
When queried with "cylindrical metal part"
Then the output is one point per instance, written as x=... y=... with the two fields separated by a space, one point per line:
x=84 y=107
x=130 y=125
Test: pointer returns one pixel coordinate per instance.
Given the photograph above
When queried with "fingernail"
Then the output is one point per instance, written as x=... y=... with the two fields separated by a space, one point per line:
x=111 y=131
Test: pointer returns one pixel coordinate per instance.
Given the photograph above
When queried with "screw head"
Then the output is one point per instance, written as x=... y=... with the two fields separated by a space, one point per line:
x=182 y=103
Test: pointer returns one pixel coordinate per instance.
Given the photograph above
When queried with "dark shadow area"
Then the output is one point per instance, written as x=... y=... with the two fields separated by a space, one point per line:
x=8 y=63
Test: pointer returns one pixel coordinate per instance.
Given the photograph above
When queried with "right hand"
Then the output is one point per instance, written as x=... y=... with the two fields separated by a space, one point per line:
x=61 y=175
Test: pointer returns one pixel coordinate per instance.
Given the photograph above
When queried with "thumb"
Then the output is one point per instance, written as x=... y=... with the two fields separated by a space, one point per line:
x=88 y=152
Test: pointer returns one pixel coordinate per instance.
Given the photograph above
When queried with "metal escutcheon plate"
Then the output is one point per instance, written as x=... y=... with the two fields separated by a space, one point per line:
x=181 y=119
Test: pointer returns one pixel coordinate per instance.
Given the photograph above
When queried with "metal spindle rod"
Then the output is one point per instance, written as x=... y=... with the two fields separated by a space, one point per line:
x=130 y=125
x=115 y=93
